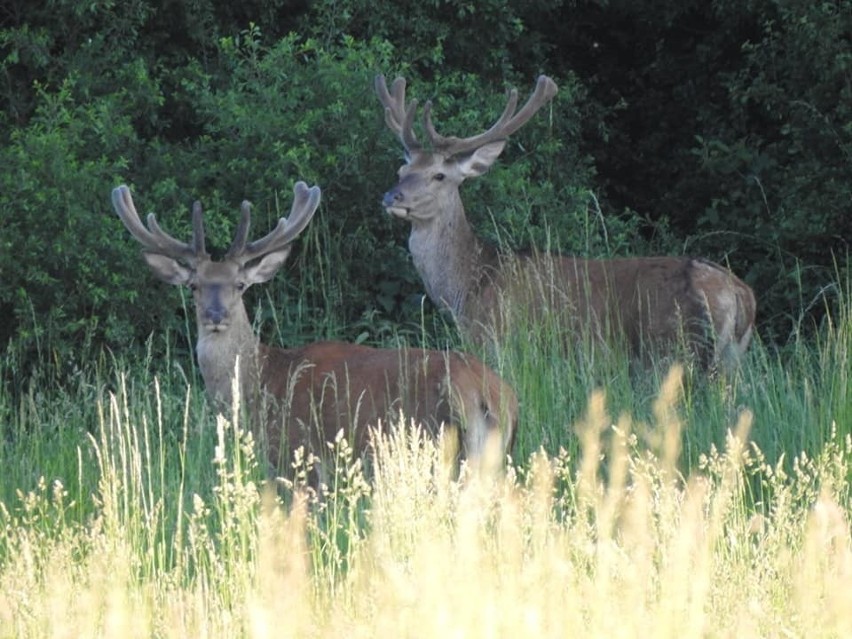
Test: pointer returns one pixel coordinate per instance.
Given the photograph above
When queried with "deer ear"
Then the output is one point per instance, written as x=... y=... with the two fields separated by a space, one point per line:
x=268 y=266
x=168 y=269
x=481 y=159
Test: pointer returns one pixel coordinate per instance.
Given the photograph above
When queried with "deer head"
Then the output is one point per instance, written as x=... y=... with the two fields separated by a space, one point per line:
x=225 y=334
x=217 y=287
x=429 y=180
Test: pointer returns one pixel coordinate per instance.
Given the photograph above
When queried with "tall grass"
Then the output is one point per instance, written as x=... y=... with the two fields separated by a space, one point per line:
x=654 y=503
x=558 y=545
x=797 y=393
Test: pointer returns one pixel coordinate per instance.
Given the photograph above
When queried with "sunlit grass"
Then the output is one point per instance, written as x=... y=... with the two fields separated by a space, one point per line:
x=616 y=541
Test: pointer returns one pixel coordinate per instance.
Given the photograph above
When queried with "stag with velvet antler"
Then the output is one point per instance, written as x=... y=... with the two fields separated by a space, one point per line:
x=654 y=303
x=305 y=396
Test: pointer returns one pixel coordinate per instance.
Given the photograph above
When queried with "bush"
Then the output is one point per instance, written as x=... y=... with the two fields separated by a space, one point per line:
x=246 y=123
x=64 y=275
x=715 y=129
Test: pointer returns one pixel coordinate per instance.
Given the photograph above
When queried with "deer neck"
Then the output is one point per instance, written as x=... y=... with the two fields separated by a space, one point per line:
x=218 y=353
x=450 y=259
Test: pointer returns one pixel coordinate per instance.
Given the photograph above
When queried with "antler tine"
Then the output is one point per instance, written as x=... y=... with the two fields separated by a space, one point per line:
x=241 y=236
x=153 y=238
x=399 y=119
x=198 y=230
x=506 y=124
x=304 y=206
x=457 y=145
x=545 y=90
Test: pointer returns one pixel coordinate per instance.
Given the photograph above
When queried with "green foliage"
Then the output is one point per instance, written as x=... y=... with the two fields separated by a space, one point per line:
x=783 y=157
x=61 y=268
x=719 y=129
x=44 y=46
x=488 y=37
x=244 y=121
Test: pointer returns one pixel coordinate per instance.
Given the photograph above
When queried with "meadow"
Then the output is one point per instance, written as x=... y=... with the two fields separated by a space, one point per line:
x=651 y=504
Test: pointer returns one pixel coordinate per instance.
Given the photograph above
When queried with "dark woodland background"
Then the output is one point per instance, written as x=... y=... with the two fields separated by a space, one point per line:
x=719 y=128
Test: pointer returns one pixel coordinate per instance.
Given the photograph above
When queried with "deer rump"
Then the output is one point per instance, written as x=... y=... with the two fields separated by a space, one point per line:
x=323 y=393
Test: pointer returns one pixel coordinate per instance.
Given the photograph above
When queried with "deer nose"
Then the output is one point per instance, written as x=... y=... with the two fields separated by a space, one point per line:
x=215 y=314
x=392 y=197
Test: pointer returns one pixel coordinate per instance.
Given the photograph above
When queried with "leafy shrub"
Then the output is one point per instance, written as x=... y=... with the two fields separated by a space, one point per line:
x=783 y=159
x=718 y=129
x=63 y=273
x=246 y=124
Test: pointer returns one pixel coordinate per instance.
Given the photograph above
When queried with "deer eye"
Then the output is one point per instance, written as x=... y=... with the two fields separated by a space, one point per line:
x=240 y=286
x=192 y=286
x=438 y=177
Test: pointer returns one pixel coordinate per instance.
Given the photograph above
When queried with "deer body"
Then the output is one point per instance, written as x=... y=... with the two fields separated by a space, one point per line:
x=648 y=301
x=333 y=386
x=651 y=302
x=305 y=396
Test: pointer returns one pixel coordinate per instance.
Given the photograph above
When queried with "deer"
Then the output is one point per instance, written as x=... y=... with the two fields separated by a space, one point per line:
x=654 y=304
x=304 y=397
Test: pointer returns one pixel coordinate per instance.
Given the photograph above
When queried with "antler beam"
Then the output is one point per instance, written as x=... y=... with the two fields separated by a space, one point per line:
x=400 y=119
x=305 y=203
x=506 y=124
x=153 y=238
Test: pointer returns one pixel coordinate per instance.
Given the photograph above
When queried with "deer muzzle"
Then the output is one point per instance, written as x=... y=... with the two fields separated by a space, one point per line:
x=214 y=315
x=215 y=318
x=393 y=201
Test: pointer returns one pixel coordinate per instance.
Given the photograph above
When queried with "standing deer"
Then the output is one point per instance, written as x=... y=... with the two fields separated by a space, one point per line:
x=652 y=302
x=305 y=396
